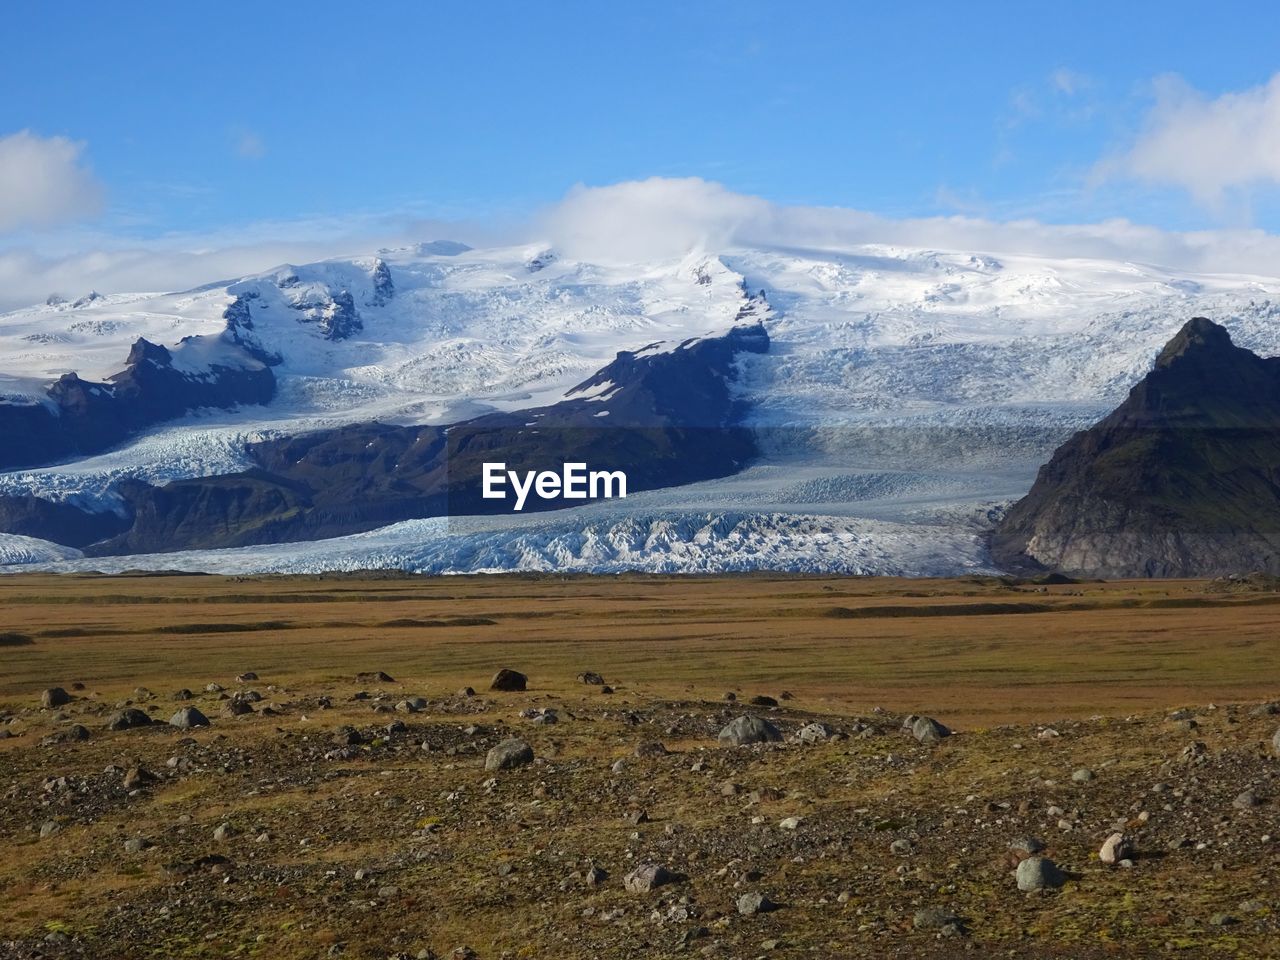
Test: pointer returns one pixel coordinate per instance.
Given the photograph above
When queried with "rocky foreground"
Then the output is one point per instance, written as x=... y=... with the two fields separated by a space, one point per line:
x=367 y=818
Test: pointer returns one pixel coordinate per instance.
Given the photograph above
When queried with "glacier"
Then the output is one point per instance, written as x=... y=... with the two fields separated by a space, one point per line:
x=908 y=396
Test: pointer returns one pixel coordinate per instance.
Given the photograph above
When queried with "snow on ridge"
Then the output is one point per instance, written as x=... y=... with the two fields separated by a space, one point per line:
x=876 y=352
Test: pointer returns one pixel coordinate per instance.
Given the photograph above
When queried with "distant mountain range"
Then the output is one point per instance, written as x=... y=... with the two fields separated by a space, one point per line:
x=868 y=410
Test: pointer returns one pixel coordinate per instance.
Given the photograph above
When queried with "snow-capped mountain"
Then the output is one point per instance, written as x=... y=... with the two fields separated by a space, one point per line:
x=904 y=395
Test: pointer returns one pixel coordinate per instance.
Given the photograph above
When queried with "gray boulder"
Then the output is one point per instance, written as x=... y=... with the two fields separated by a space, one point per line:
x=928 y=730
x=1039 y=873
x=188 y=717
x=54 y=697
x=509 y=754
x=753 y=903
x=747 y=729
x=509 y=681
x=646 y=877
x=127 y=718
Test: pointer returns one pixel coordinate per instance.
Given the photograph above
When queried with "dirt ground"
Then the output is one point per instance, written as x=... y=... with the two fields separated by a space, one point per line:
x=328 y=810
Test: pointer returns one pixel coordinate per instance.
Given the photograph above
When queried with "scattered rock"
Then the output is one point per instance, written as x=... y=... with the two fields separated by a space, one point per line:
x=138 y=777
x=647 y=877
x=750 y=904
x=748 y=729
x=183 y=694
x=1247 y=801
x=1082 y=775
x=128 y=718
x=509 y=681
x=373 y=676
x=1117 y=847
x=934 y=918
x=509 y=754
x=651 y=748
x=1039 y=873
x=928 y=730
x=247 y=677
x=224 y=831
x=187 y=718
x=762 y=701
x=54 y=697
x=592 y=678
x=814 y=732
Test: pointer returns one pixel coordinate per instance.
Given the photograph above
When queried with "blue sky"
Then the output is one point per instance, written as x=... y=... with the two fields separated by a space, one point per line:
x=208 y=119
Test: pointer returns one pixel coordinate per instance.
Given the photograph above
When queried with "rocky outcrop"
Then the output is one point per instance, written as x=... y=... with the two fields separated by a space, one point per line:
x=79 y=417
x=663 y=416
x=1182 y=479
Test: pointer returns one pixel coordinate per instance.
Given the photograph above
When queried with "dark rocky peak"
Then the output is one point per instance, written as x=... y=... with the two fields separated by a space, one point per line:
x=144 y=351
x=238 y=313
x=383 y=286
x=339 y=319
x=1199 y=337
x=1180 y=480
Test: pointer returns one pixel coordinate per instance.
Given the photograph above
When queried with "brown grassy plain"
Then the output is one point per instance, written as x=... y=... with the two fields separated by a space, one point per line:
x=976 y=651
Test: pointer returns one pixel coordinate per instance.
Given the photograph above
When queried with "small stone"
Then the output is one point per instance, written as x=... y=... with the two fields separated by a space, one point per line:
x=928 y=730
x=790 y=823
x=188 y=718
x=54 y=697
x=750 y=904
x=1039 y=873
x=48 y=829
x=509 y=681
x=388 y=893
x=224 y=831
x=127 y=719
x=592 y=678
x=902 y=847
x=933 y=918
x=747 y=729
x=1027 y=846
x=1115 y=849
x=509 y=754
x=136 y=845
x=1082 y=775
x=762 y=701
x=814 y=732
x=1246 y=801
x=595 y=877
x=651 y=748
x=247 y=677
x=647 y=877
x=138 y=777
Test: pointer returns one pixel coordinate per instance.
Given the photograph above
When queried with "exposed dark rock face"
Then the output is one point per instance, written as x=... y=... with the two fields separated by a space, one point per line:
x=1182 y=479
x=383 y=287
x=668 y=418
x=62 y=523
x=80 y=417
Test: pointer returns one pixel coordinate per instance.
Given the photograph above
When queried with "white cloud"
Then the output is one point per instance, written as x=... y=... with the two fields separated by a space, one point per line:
x=655 y=219
x=662 y=218
x=1068 y=82
x=1208 y=147
x=73 y=263
x=44 y=182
